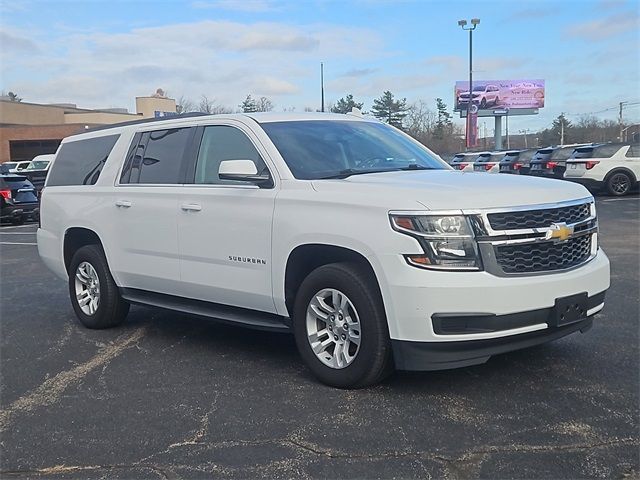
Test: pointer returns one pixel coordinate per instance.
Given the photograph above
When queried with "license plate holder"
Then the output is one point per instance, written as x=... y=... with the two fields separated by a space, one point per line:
x=570 y=309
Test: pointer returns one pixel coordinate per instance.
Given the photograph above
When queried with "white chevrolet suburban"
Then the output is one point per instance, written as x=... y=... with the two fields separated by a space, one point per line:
x=372 y=250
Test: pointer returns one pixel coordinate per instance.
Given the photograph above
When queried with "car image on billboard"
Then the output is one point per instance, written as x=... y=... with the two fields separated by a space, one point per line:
x=492 y=94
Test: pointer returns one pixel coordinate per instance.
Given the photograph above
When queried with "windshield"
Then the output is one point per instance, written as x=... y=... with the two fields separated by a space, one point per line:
x=317 y=149
x=38 y=165
x=10 y=164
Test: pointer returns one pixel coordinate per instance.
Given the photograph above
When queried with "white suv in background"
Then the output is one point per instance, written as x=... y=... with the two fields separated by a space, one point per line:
x=613 y=167
x=344 y=230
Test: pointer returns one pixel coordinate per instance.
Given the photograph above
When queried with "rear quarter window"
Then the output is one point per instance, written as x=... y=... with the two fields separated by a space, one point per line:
x=606 y=151
x=634 y=151
x=80 y=162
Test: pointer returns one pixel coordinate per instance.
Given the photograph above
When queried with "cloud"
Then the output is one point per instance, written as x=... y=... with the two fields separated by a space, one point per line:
x=16 y=43
x=255 y=6
x=357 y=72
x=606 y=27
x=221 y=59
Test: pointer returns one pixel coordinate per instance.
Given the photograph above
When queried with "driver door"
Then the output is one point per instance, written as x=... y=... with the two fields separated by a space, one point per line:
x=224 y=226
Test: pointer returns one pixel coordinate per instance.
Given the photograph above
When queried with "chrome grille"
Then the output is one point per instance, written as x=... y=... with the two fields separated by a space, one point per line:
x=517 y=220
x=543 y=256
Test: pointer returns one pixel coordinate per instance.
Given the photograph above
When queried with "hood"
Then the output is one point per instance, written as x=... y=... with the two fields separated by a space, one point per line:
x=452 y=190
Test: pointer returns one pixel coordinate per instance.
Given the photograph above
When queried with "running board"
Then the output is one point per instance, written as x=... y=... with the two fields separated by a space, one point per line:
x=224 y=313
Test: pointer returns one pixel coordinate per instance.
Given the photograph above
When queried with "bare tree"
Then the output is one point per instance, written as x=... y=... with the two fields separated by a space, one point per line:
x=210 y=106
x=263 y=104
x=185 y=105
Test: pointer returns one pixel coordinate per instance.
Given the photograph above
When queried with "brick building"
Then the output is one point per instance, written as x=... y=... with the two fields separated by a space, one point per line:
x=30 y=129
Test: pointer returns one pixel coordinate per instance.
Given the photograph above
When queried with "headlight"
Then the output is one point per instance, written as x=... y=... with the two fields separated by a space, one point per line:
x=447 y=241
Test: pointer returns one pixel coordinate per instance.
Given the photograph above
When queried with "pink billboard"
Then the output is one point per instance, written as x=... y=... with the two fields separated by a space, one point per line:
x=500 y=94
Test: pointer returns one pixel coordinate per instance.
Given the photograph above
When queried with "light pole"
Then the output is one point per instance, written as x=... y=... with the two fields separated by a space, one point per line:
x=463 y=24
x=525 y=131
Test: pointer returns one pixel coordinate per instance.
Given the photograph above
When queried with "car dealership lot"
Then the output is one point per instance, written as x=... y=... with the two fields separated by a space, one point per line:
x=171 y=396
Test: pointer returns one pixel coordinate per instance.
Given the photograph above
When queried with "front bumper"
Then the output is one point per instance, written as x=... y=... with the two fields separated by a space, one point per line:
x=421 y=356
x=414 y=298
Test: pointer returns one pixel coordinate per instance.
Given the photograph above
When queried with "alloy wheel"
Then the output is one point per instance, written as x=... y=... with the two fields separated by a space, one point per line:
x=333 y=328
x=87 y=286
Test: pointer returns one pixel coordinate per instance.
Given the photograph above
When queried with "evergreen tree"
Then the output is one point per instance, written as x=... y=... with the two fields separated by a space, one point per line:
x=249 y=105
x=346 y=105
x=389 y=110
x=444 y=125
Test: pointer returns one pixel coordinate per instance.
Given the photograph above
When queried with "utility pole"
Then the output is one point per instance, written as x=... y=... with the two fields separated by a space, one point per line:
x=507 y=130
x=322 y=86
x=562 y=130
x=622 y=104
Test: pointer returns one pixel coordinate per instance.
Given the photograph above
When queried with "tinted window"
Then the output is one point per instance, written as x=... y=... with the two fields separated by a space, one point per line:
x=606 y=151
x=562 y=153
x=319 y=149
x=221 y=143
x=634 y=151
x=582 y=152
x=80 y=162
x=162 y=159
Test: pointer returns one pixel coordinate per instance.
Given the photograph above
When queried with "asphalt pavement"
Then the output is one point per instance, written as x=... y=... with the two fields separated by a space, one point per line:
x=172 y=396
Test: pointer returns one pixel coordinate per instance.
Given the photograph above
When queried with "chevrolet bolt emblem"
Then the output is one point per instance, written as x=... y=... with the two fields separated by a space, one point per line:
x=559 y=232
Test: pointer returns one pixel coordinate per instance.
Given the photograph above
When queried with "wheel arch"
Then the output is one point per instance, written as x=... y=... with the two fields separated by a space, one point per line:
x=75 y=238
x=305 y=258
x=618 y=170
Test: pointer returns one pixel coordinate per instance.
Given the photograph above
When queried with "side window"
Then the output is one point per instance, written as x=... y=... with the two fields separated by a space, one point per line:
x=80 y=162
x=606 y=151
x=221 y=143
x=162 y=159
x=634 y=151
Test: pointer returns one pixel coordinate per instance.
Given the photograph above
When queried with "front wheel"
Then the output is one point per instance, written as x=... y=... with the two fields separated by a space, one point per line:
x=340 y=326
x=483 y=103
x=619 y=184
x=94 y=295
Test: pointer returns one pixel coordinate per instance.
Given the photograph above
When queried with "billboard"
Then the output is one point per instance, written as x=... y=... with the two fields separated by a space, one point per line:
x=500 y=94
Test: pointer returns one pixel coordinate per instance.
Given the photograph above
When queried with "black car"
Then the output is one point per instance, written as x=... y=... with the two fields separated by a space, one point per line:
x=551 y=161
x=517 y=161
x=18 y=198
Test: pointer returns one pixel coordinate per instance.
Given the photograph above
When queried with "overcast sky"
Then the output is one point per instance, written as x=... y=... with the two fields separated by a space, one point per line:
x=102 y=54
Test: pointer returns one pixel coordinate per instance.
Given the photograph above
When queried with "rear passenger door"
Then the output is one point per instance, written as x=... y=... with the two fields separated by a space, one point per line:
x=224 y=227
x=144 y=210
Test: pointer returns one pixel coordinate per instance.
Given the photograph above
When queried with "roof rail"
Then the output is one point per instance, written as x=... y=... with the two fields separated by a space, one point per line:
x=146 y=120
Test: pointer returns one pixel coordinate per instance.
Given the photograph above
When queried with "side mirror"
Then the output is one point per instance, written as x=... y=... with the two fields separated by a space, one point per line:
x=244 y=171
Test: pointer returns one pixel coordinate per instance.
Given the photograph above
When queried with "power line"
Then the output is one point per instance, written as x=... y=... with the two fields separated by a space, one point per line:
x=626 y=104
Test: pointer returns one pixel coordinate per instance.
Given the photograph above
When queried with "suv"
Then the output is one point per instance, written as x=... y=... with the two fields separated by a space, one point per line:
x=488 y=162
x=464 y=161
x=15 y=167
x=342 y=229
x=18 y=200
x=483 y=96
x=613 y=167
x=516 y=162
x=551 y=161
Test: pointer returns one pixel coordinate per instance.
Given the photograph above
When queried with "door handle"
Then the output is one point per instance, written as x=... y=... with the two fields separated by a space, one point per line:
x=191 y=207
x=123 y=203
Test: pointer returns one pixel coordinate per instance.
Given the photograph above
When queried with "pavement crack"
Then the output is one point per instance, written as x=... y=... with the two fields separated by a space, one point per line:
x=51 y=389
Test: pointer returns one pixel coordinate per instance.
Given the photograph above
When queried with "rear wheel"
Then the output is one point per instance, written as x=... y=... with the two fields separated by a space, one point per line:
x=94 y=295
x=483 y=103
x=340 y=327
x=619 y=183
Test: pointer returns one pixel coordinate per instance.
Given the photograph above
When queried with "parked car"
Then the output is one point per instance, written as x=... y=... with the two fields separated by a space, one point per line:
x=340 y=228
x=517 y=161
x=18 y=200
x=488 y=162
x=483 y=96
x=464 y=161
x=614 y=168
x=38 y=169
x=551 y=161
x=15 y=167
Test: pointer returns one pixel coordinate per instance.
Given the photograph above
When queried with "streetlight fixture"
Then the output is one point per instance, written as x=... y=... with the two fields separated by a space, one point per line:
x=463 y=24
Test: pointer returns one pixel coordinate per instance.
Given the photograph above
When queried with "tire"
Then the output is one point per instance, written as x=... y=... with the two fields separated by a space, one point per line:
x=110 y=310
x=17 y=221
x=371 y=357
x=483 y=103
x=618 y=183
x=496 y=101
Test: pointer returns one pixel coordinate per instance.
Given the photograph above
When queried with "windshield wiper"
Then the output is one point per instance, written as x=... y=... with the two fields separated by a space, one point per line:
x=415 y=166
x=352 y=171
